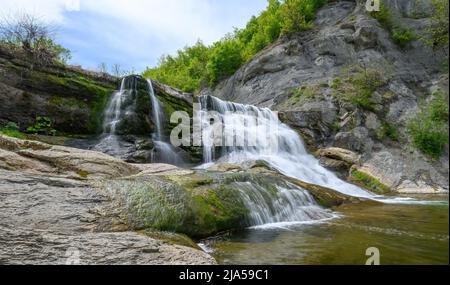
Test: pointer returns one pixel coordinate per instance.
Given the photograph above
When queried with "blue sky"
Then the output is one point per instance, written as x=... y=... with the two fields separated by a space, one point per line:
x=135 y=33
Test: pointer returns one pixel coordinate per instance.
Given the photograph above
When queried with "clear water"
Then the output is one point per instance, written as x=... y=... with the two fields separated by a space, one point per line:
x=404 y=234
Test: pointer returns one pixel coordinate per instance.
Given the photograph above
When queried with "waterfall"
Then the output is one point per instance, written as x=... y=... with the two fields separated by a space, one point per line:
x=123 y=103
x=163 y=152
x=274 y=142
x=286 y=205
x=110 y=142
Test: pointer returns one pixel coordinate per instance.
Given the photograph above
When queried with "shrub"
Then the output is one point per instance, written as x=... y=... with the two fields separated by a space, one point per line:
x=402 y=36
x=438 y=30
x=384 y=17
x=12 y=130
x=429 y=128
x=43 y=126
x=358 y=87
x=387 y=131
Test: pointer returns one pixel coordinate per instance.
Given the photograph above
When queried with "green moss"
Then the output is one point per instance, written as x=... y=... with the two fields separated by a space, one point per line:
x=369 y=182
x=170 y=238
x=82 y=173
x=13 y=133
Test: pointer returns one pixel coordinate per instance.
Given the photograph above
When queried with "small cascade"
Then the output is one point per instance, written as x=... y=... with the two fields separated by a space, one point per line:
x=126 y=123
x=273 y=142
x=286 y=205
x=110 y=142
x=163 y=152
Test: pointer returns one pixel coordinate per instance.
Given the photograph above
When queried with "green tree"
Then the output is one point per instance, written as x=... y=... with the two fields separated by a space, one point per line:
x=224 y=60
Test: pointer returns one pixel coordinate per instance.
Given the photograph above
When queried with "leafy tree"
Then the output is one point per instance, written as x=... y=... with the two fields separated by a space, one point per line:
x=200 y=66
x=224 y=60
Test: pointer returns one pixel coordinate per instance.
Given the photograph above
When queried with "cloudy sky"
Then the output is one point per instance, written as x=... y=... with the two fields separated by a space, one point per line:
x=135 y=33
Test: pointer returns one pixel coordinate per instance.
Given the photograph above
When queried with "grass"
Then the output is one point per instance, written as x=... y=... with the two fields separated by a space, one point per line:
x=387 y=131
x=429 y=128
x=358 y=87
x=12 y=130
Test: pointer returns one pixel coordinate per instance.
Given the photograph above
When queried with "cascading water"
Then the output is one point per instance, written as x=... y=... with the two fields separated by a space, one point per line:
x=285 y=205
x=274 y=142
x=163 y=151
x=110 y=142
x=121 y=111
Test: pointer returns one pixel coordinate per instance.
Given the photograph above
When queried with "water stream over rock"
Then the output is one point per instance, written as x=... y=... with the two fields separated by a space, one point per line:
x=274 y=143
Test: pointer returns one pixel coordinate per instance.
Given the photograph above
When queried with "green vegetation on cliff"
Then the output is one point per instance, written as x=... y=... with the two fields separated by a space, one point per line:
x=429 y=128
x=200 y=66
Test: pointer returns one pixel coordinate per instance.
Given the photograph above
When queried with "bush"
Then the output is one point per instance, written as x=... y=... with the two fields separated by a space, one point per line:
x=429 y=128
x=438 y=31
x=43 y=126
x=384 y=17
x=358 y=87
x=402 y=36
x=387 y=131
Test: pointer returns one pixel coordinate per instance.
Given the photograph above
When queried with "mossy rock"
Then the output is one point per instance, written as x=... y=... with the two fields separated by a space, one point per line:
x=369 y=182
x=201 y=203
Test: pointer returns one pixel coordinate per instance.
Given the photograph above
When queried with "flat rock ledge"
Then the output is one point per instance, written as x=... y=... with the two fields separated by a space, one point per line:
x=50 y=214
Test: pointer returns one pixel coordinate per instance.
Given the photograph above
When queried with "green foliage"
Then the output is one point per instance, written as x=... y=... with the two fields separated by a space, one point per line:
x=358 y=87
x=387 y=131
x=224 y=60
x=429 y=128
x=403 y=36
x=384 y=17
x=400 y=35
x=438 y=31
x=186 y=71
x=12 y=130
x=199 y=66
x=297 y=15
x=43 y=126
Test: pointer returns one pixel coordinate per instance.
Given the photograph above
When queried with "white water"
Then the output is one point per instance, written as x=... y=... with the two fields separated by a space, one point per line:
x=276 y=143
x=288 y=205
x=110 y=143
x=163 y=152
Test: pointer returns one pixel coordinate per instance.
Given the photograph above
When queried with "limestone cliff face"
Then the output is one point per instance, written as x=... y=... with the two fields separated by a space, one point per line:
x=308 y=76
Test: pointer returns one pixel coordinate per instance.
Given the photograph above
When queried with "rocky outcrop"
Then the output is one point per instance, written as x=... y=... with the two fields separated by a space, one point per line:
x=51 y=213
x=72 y=98
x=318 y=80
x=112 y=195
